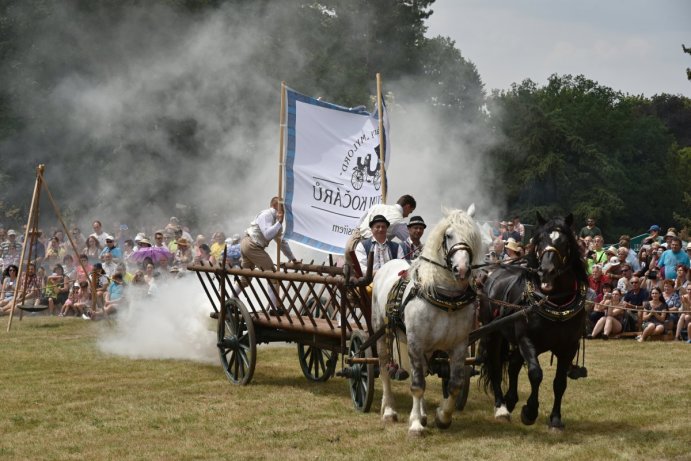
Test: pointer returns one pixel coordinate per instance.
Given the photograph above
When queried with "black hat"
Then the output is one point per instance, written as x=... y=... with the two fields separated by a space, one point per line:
x=379 y=218
x=417 y=221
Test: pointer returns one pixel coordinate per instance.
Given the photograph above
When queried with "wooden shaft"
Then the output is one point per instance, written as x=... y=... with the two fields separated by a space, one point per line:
x=281 y=158
x=32 y=210
x=382 y=140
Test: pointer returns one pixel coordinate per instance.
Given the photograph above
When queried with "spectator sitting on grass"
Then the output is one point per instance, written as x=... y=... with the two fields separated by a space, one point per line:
x=114 y=298
x=57 y=289
x=672 y=300
x=684 y=316
x=654 y=315
x=613 y=321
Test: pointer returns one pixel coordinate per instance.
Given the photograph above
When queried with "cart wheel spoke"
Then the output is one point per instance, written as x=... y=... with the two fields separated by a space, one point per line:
x=361 y=382
x=237 y=342
x=317 y=364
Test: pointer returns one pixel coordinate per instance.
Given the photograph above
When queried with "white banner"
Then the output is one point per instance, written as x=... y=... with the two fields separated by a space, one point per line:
x=332 y=171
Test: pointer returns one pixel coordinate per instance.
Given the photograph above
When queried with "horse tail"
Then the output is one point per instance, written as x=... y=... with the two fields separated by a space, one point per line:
x=494 y=357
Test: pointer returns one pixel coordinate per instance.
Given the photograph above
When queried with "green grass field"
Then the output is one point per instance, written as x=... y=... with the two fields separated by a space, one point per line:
x=62 y=398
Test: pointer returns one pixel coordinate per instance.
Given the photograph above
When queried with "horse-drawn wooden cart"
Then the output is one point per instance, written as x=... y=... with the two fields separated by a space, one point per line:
x=323 y=308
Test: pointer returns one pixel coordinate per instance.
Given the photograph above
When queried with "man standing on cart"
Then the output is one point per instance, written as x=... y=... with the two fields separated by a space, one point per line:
x=266 y=226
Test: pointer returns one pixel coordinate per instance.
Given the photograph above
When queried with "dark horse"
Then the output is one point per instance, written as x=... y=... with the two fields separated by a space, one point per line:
x=551 y=293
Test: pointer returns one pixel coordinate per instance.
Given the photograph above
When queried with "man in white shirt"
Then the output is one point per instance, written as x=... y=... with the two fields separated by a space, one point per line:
x=384 y=249
x=98 y=233
x=266 y=226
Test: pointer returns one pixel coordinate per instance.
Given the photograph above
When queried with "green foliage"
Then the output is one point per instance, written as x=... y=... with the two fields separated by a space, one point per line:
x=591 y=150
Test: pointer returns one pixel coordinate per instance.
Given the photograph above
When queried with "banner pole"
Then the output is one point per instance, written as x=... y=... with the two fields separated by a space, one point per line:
x=281 y=160
x=382 y=140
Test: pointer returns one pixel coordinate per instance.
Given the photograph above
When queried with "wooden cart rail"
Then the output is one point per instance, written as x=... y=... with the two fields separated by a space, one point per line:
x=312 y=299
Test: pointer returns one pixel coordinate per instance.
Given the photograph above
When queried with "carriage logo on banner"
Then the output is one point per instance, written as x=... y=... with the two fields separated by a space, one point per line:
x=332 y=170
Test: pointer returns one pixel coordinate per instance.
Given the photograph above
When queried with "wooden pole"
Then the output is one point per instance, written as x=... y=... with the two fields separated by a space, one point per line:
x=382 y=140
x=281 y=159
x=29 y=225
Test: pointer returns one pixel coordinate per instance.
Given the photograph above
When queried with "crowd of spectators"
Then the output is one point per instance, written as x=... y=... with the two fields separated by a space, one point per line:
x=646 y=291
x=119 y=265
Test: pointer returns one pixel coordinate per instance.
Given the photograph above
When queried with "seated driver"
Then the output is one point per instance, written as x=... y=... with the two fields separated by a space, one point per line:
x=384 y=249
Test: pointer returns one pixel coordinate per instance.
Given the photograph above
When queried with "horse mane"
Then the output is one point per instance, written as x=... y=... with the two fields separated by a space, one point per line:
x=429 y=275
x=562 y=224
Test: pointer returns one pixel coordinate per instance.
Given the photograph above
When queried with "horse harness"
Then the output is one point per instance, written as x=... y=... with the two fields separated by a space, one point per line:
x=399 y=296
x=534 y=299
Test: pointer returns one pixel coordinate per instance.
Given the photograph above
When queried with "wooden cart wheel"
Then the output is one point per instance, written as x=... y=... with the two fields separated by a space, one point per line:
x=317 y=364
x=462 y=398
x=362 y=378
x=237 y=344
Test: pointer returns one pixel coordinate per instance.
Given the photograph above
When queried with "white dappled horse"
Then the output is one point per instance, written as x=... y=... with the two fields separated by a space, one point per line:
x=439 y=313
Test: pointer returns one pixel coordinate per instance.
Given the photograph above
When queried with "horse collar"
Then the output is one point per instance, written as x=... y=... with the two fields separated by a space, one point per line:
x=563 y=312
x=448 y=302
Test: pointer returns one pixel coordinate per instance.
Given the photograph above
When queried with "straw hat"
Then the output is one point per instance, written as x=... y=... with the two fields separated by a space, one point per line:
x=612 y=250
x=145 y=241
x=182 y=241
x=513 y=245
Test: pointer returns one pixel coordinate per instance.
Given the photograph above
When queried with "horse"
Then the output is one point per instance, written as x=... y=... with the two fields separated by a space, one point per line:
x=438 y=312
x=551 y=293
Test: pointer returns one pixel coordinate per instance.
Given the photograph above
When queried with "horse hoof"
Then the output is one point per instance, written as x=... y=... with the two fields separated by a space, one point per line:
x=556 y=426
x=416 y=430
x=423 y=420
x=502 y=414
x=441 y=424
x=525 y=418
x=390 y=417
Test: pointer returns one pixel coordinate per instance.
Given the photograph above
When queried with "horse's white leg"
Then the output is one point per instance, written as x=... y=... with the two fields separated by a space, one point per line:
x=457 y=372
x=388 y=413
x=417 y=389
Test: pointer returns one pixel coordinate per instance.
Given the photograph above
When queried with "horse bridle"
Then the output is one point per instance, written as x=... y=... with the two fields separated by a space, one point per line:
x=561 y=258
x=449 y=254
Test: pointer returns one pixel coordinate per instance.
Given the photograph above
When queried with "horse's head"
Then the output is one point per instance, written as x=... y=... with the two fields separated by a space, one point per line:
x=556 y=250
x=455 y=243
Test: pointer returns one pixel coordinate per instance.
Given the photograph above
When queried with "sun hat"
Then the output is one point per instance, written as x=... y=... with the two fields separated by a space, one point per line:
x=613 y=261
x=417 y=221
x=611 y=249
x=139 y=236
x=688 y=246
x=145 y=241
x=379 y=218
x=670 y=234
x=513 y=245
x=182 y=241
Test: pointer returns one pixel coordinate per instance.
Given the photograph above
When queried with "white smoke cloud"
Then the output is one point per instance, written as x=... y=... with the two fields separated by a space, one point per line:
x=172 y=324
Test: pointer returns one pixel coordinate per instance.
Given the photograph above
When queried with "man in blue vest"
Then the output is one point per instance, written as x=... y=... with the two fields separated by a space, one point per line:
x=384 y=249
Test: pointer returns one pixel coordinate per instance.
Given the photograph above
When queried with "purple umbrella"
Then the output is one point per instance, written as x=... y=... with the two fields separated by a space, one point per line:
x=155 y=253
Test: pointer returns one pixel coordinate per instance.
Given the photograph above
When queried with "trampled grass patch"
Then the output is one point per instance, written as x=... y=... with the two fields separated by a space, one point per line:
x=62 y=398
